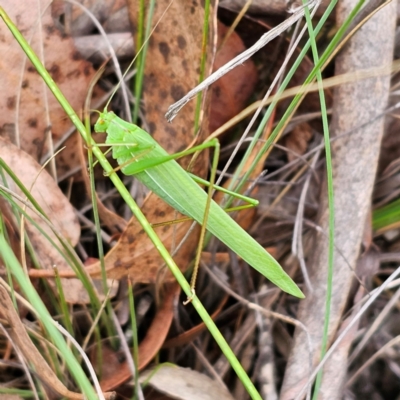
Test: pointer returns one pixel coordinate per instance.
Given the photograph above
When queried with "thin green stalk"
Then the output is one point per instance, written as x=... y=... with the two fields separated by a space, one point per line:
x=237 y=367
x=8 y=269
x=331 y=204
x=141 y=58
x=17 y=392
x=65 y=316
x=386 y=215
x=202 y=62
x=105 y=317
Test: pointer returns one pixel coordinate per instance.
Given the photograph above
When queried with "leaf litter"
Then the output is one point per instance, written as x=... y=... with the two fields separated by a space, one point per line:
x=132 y=254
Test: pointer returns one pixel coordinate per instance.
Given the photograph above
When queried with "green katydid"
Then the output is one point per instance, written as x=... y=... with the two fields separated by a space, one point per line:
x=140 y=155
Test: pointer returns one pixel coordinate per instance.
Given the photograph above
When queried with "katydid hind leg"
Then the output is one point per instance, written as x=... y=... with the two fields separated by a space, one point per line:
x=186 y=219
x=251 y=202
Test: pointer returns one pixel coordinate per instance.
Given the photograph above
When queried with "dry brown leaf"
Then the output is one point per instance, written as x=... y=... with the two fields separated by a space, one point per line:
x=184 y=383
x=32 y=112
x=32 y=355
x=117 y=373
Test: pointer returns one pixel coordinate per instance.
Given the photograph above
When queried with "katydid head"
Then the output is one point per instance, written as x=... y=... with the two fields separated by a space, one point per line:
x=104 y=121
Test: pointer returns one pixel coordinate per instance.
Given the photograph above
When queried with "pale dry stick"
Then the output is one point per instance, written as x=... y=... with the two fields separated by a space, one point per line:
x=359 y=156
x=389 y=257
x=22 y=361
x=91 y=225
x=372 y=359
x=394 y=284
x=266 y=376
x=318 y=229
x=372 y=297
x=238 y=60
x=297 y=244
x=127 y=352
x=365 y=14
x=375 y=325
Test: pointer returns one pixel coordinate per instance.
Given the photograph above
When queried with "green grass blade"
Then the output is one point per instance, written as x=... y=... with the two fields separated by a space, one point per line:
x=207 y=6
x=386 y=216
x=141 y=58
x=331 y=205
